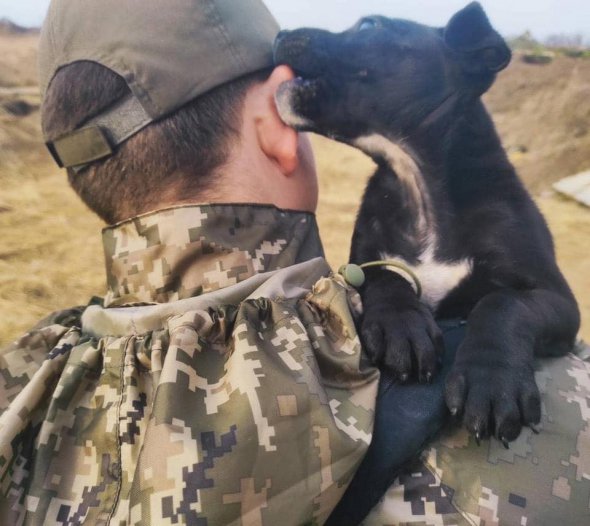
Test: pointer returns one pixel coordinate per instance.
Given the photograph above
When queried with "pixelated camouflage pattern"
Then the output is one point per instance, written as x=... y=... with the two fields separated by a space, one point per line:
x=252 y=413
x=225 y=244
x=542 y=480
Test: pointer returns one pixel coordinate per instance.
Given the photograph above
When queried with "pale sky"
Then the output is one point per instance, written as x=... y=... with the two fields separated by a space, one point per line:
x=510 y=17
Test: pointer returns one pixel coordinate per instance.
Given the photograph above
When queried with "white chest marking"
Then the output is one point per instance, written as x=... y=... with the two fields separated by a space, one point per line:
x=437 y=278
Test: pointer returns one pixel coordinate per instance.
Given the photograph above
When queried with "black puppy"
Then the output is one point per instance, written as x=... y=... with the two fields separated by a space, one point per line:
x=445 y=201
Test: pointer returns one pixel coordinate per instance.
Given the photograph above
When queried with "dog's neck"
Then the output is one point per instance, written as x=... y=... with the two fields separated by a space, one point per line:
x=419 y=232
x=442 y=164
x=474 y=135
x=406 y=166
x=478 y=165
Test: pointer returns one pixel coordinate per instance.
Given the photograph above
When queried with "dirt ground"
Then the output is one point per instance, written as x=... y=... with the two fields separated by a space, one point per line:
x=50 y=249
x=543 y=116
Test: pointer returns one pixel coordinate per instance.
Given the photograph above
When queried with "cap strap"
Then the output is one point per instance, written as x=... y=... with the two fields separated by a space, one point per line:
x=101 y=135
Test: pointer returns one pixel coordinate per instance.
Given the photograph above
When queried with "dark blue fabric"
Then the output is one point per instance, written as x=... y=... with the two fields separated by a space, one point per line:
x=406 y=418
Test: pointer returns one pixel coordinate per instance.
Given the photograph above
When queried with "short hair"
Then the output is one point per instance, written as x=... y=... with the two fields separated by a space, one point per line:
x=176 y=157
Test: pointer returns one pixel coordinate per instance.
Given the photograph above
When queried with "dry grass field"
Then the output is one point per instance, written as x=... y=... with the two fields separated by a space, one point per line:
x=50 y=251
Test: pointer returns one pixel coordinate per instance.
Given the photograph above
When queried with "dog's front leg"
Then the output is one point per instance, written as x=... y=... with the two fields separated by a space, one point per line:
x=398 y=331
x=492 y=381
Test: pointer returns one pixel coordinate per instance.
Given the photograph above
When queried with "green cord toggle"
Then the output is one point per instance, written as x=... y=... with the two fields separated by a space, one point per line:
x=353 y=274
x=355 y=277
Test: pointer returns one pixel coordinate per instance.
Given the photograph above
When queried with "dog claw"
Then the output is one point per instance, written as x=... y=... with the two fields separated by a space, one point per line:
x=535 y=429
x=505 y=443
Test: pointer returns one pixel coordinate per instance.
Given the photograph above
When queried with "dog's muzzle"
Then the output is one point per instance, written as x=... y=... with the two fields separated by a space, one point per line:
x=287 y=99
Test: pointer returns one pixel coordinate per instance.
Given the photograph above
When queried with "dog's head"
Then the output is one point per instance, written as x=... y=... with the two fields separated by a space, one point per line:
x=385 y=75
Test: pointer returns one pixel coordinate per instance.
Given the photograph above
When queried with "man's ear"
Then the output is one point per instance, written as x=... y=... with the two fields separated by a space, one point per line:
x=277 y=140
x=470 y=34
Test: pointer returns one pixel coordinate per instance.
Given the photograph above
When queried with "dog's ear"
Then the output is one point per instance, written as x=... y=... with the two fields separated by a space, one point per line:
x=470 y=34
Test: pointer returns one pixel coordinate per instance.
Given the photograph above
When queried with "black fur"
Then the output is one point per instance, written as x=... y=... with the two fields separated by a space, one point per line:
x=421 y=87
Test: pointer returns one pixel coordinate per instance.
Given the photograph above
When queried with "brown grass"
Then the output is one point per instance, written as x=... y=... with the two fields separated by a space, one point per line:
x=50 y=250
x=50 y=254
x=18 y=59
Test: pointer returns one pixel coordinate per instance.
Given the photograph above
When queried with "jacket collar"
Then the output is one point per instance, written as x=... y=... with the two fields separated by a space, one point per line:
x=186 y=251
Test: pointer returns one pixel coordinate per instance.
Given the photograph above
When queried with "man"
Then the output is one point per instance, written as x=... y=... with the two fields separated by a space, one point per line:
x=221 y=379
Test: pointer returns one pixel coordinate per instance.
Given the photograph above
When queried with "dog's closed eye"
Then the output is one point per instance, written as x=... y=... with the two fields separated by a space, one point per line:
x=367 y=23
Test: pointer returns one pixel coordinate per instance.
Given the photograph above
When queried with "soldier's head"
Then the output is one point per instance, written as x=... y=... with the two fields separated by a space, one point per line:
x=163 y=102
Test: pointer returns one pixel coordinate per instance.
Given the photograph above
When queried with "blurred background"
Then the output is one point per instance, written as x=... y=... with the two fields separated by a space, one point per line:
x=50 y=247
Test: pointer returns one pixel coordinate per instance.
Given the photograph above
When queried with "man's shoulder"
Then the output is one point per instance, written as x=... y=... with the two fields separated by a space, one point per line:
x=67 y=318
x=47 y=331
x=22 y=359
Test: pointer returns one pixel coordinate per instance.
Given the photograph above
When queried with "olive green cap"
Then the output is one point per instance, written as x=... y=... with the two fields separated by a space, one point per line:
x=168 y=51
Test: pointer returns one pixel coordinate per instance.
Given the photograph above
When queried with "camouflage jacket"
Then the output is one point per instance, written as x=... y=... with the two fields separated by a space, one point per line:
x=221 y=382
x=224 y=385
x=542 y=480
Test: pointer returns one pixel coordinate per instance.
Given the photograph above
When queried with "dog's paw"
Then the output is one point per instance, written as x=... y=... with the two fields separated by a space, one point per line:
x=494 y=399
x=406 y=341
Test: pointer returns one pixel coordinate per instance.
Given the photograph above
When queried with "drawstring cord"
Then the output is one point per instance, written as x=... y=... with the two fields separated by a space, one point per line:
x=354 y=275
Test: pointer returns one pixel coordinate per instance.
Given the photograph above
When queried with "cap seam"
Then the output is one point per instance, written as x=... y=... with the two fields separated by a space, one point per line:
x=223 y=30
x=54 y=67
x=137 y=89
